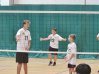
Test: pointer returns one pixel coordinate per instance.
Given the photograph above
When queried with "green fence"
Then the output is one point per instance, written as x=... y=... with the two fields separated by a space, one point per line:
x=84 y=26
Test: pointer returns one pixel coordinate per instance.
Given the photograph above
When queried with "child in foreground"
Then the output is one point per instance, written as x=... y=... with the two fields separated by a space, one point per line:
x=71 y=54
x=83 y=69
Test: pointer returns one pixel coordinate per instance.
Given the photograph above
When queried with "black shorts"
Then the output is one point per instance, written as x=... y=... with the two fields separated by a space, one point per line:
x=53 y=50
x=21 y=57
x=71 y=66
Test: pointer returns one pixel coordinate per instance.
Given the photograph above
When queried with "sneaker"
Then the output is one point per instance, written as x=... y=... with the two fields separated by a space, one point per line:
x=50 y=63
x=54 y=64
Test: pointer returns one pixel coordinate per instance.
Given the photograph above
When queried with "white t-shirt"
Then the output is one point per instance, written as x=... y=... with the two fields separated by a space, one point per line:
x=24 y=38
x=72 y=50
x=54 y=40
x=98 y=35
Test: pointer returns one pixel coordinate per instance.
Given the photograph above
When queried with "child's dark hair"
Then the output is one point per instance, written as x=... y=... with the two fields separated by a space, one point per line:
x=73 y=36
x=83 y=69
x=26 y=21
x=54 y=29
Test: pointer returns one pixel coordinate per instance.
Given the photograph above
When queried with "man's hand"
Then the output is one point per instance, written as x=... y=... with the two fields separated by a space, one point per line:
x=41 y=39
x=66 y=59
x=18 y=38
x=27 y=49
x=65 y=39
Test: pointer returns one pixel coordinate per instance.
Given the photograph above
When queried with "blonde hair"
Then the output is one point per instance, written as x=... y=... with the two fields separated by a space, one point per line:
x=54 y=29
x=73 y=36
x=26 y=21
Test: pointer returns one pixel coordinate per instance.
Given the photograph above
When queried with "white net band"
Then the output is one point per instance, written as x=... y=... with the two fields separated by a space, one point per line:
x=50 y=12
x=94 y=53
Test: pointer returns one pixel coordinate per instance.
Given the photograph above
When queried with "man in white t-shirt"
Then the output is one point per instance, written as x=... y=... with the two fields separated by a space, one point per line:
x=98 y=39
x=23 y=39
x=54 y=44
x=71 y=54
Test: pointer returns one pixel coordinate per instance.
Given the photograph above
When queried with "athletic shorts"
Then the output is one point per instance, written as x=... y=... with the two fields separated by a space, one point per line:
x=21 y=57
x=53 y=50
x=71 y=66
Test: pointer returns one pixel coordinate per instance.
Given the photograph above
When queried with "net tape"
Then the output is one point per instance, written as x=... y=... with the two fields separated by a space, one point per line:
x=47 y=52
x=50 y=12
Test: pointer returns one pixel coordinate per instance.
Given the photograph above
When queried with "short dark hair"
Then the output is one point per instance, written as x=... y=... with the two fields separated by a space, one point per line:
x=83 y=69
x=54 y=29
x=26 y=21
x=73 y=36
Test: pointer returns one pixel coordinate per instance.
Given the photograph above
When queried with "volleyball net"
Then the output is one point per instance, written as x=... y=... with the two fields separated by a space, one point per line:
x=85 y=24
x=82 y=23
